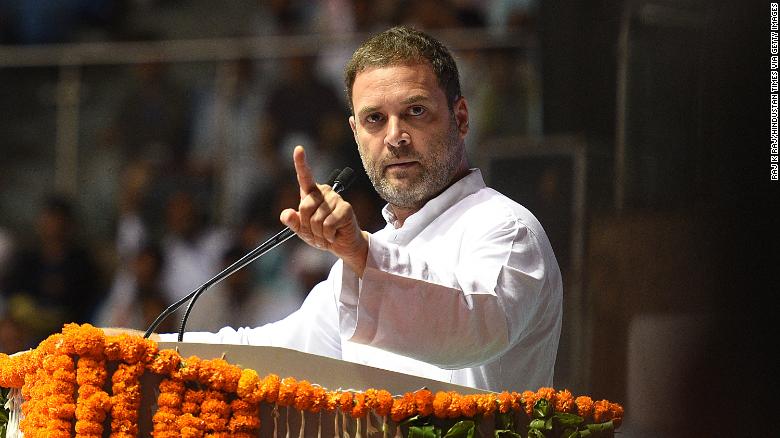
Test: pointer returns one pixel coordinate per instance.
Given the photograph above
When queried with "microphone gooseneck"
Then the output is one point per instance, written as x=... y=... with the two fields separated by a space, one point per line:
x=340 y=180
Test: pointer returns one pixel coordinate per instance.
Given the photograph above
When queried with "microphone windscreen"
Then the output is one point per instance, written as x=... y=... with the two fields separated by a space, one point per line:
x=333 y=175
x=345 y=178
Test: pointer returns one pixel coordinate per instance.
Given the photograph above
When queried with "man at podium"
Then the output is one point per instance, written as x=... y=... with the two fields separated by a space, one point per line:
x=461 y=285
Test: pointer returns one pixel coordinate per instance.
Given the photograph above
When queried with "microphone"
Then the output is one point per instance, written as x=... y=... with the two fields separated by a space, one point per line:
x=339 y=180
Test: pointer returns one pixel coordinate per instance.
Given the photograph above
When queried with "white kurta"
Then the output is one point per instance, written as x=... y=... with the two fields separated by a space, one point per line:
x=467 y=291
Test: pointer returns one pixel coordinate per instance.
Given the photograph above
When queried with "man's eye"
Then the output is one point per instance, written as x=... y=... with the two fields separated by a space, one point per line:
x=374 y=118
x=416 y=110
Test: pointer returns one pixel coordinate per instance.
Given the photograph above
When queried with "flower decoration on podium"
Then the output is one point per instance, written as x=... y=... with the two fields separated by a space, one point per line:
x=83 y=383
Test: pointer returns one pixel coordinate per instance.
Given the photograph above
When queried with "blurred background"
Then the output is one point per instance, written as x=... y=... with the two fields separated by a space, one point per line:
x=146 y=144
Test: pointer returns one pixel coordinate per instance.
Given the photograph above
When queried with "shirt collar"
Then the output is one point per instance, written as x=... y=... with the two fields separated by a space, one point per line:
x=469 y=184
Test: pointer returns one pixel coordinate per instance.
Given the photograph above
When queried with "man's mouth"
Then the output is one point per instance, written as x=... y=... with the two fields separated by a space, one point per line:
x=401 y=165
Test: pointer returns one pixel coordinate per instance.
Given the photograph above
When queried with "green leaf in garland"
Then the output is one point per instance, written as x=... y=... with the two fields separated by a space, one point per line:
x=504 y=421
x=570 y=433
x=564 y=419
x=542 y=409
x=602 y=430
x=461 y=429
x=536 y=424
x=427 y=431
x=506 y=433
x=411 y=420
x=536 y=433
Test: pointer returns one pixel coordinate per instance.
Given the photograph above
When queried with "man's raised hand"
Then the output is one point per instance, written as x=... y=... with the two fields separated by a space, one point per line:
x=324 y=219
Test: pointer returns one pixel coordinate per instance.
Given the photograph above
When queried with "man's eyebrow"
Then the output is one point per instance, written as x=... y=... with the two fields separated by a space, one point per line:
x=414 y=99
x=407 y=101
x=366 y=110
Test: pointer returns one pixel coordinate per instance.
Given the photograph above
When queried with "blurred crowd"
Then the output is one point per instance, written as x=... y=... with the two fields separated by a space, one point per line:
x=194 y=177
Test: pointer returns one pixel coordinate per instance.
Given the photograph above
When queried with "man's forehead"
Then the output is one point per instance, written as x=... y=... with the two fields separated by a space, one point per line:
x=408 y=83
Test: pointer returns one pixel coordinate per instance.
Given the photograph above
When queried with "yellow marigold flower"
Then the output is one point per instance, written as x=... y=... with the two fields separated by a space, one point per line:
x=584 y=406
x=248 y=384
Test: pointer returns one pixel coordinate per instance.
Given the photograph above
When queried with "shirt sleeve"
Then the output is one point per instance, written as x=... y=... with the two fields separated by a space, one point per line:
x=313 y=328
x=455 y=316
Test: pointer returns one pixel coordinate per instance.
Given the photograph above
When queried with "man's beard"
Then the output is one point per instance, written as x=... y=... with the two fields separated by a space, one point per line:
x=438 y=169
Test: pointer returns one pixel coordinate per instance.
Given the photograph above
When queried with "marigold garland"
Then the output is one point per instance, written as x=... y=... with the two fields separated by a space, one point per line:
x=199 y=398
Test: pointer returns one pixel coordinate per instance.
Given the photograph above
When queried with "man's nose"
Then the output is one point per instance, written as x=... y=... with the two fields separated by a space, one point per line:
x=396 y=135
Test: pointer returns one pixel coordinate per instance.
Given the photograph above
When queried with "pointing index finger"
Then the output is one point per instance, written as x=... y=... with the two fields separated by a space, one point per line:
x=303 y=172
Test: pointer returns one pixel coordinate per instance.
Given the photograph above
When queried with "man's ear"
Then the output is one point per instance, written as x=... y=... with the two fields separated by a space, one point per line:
x=353 y=126
x=461 y=110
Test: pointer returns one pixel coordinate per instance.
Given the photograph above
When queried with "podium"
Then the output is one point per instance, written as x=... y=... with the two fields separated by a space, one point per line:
x=82 y=382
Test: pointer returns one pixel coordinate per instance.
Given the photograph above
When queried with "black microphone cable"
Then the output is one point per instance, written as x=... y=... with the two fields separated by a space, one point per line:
x=339 y=180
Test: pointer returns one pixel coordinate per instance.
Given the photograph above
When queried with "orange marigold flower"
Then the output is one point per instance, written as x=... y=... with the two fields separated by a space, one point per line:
x=423 y=401
x=360 y=408
x=136 y=349
x=213 y=373
x=384 y=402
x=346 y=401
x=504 y=402
x=441 y=402
x=517 y=401
x=319 y=399
x=584 y=406
x=270 y=388
x=564 y=401
x=529 y=399
x=83 y=340
x=244 y=423
x=195 y=396
x=188 y=369
x=214 y=422
x=468 y=405
x=287 y=389
x=56 y=362
x=617 y=413
x=453 y=410
x=170 y=385
x=547 y=394
x=332 y=400
x=403 y=407
x=302 y=399
x=248 y=384
x=602 y=411
x=165 y=362
x=486 y=404
x=84 y=427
